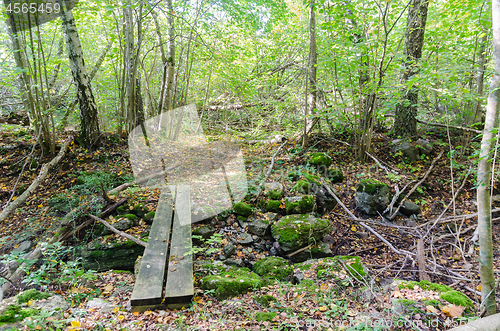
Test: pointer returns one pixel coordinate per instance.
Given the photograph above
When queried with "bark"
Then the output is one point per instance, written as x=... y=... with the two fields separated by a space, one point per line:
x=484 y=176
x=164 y=60
x=43 y=173
x=311 y=96
x=171 y=55
x=57 y=67
x=478 y=114
x=89 y=122
x=405 y=123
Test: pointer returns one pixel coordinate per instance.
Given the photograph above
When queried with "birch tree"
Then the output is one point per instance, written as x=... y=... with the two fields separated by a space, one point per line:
x=484 y=175
x=89 y=122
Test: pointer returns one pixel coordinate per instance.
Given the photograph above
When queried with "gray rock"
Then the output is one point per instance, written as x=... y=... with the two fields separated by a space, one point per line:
x=24 y=247
x=325 y=201
x=260 y=225
x=410 y=223
x=229 y=250
x=373 y=201
x=96 y=303
x=316 y=253
x=205 y=231
x=244 y=239
x=121 y=225
x=406 y=148
x=234 y=263
x=54 y=303
x=424 y=146
x=410 y=208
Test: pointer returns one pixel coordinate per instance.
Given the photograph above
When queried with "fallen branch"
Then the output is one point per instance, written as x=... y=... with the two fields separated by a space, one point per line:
x=421 y=260
x=142 y=180
x=300 y=250
x=43 y=173
x=380 y=164
x=272 y=161
x=118 y=232
x=416 y=185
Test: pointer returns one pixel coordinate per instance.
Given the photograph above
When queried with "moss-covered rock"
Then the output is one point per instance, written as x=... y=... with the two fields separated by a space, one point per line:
x=274 y=190
x=372 y=196
x=122 y=210
x=15 y=313
x=273 y=268
x=231 y=283
x=31 y=294
x=320 y=159
x=265 y=299
x=131 y=217
x=113 y=255
x=242 y=209
x=273 y=206
x=297 y=231
x=293 y=175
x=313 y=179
x=446 y=292
x=264 y=317
x=299 y=205
x=319 y=250
x=139 y=210
x=457 y=298
x=149 y=217
x=335 y=175
x=302 y=186
x=260 y=224
x=275 y=194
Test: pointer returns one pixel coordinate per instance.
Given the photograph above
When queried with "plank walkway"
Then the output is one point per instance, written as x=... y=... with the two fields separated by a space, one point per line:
x=165 y=278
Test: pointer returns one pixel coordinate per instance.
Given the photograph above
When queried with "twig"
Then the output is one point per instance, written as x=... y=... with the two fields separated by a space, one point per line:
x=299 y=250
x=416 y=185
x=442 y=125
x=382 y=238
x=380 y=164
x=272 y=161
x=43 y=173
x=118 y=232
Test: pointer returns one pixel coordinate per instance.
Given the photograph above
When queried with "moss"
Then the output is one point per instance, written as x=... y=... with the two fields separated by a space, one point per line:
x=242 y=209
x=305 y=205
x=149 y=217
x=96 y=254
x=275 y=194
x=31 y=294
x=273 y=267
x=335 y=175
x=308 y=287
x=426 y=286
x=370 y=186
x=131 y=217
x=262 y=316
x=457 y=298
x=273 y=206
x=312 y=178
x=433 y=303
x=354 y=266
x=122 y=210
x=231 y=283
x=122 y=271
x=302 y=186
x=293 y=175
x=15 y=313
x=241 y=219
x=320 y=159
x=265 y=299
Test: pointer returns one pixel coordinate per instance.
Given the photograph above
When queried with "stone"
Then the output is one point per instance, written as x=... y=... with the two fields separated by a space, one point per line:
x=300 y=204
x=229 y=250
x=410 y=223
x=242 y=221
x=273 y=206
x=202 y=213
x=53 y=303
x=244 y=239
x=205 y=231
x=96 y=303
x=242 y=209
x=231 y=283
x=23 y=248
x=318 y=251
x=372 y=196
x=320 y=159
x=293 y=232
x=335 y=175
x=325 y=201
x=424 y=146
x=410 y=208
x=234 y=263
x=106 y=256
x=273 y=268
x=121 y=225
x=405 y=148
x=261 y=225
x=274 y=190
x=149 y=217
x=302 y=186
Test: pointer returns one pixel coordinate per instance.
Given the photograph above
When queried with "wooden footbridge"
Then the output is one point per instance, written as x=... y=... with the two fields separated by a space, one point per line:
x=165 y=278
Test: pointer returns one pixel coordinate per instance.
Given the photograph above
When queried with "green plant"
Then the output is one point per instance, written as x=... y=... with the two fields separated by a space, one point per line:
x=207 y=245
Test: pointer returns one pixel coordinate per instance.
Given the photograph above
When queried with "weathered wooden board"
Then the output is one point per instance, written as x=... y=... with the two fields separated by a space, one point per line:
x=148 y=288
x=179 y=288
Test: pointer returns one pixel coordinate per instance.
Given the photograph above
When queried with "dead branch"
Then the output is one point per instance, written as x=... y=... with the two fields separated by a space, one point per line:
x=380 y=164
x=142 y=180
x=421 y=260
x=43 y=173
x=118 y=232
x=416 y=185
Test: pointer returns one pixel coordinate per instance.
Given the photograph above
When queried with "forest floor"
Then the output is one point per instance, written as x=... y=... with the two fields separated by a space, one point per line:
x=454 y=255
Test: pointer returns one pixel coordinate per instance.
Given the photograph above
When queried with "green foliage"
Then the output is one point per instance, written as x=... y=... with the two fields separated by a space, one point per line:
x=263 y=316
x=15 y=313
x=207 y=245
x=265 y=299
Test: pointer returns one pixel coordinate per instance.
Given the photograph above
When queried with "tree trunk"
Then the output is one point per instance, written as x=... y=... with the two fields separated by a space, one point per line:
x=89 y=122
x=405 y=123
x=478 y=114
x=484 y=176
x=311 y=92
x=171 y=55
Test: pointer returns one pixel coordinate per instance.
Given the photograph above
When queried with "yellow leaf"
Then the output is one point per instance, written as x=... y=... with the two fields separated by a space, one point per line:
x=14 y=198
x=40 y=206
x=479 y=287
x=75 y=324
x=452 y=310
x=323 y=308
x=121 y=317
x=432 y=309
x=148 y=312
x=353 y=228
x=16 y=246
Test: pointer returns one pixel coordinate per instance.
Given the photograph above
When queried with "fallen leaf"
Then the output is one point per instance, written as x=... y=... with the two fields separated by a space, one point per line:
x=453 y=311
x=323 y=309
x=432 y=309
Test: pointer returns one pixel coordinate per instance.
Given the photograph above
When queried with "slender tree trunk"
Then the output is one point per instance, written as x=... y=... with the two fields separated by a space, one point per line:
x=405 y=123
x=89 y=122
x=165 y=63
x=478 y=114
x=484 y=176
x=57 y=67
x=171 y=56
x=311 y=91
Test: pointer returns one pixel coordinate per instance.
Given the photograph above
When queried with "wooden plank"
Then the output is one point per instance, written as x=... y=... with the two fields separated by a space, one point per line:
x=179 y=288
x=148 y=288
